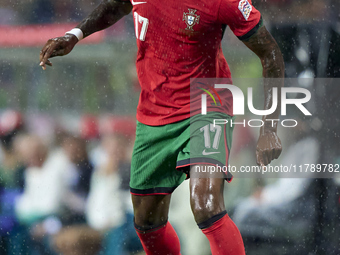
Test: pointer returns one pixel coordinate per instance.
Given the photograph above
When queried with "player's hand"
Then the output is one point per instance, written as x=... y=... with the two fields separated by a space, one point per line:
x=268 y=148
x=54 y=47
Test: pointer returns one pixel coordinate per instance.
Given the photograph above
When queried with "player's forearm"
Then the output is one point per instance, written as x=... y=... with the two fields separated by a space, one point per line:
x=273 y=72
x=272 y=62
x=266 y=48
x=104 y=16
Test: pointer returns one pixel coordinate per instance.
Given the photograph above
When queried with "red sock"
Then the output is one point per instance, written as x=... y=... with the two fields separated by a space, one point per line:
x=224 y=237
x=160 y=241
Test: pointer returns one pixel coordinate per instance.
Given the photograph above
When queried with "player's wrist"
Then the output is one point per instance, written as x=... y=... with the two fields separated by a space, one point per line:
x=76 y=32
x=270 y=124
x=265 y=129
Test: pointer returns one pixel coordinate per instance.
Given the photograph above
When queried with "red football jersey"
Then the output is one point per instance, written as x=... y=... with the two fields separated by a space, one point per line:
x=179 y=40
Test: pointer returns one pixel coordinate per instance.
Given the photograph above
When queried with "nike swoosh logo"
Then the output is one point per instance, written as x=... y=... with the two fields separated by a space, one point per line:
x=209 y=153
x=136 y=3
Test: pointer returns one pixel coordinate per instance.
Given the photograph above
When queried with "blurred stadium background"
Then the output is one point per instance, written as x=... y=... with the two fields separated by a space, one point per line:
x=67 y=135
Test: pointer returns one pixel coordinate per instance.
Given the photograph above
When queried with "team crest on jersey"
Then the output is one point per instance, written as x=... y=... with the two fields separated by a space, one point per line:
x=191 y=19
x=245 y=7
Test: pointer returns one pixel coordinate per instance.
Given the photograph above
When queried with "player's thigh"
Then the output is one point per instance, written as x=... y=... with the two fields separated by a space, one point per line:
x=209 y=146
x=153 y=166
x=151 y=211
x=206 y=195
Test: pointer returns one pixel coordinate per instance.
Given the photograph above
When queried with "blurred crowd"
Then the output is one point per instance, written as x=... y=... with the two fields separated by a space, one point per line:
x=44 y=11
x=67 y=192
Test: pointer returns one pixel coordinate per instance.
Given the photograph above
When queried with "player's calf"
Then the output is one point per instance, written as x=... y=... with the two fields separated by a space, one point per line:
x=207 y=204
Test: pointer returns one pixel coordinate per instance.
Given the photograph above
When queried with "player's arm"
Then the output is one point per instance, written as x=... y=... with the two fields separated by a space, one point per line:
x=105 y=15
x=265 y=47
x=246 y=23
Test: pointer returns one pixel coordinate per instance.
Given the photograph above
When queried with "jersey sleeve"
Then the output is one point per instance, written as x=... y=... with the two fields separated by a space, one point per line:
x=241 y=16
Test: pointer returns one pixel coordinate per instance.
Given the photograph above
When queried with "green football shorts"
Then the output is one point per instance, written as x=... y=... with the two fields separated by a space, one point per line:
x=162 y=155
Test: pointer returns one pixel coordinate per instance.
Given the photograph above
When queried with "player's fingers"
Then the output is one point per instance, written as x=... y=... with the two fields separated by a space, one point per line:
x=48 y=53
x=266 y=157
x=277 y=153
x=263 y=167
x=44 y=49
x=42 y=57
x=43 y=66
x=266 y=160
x=259 y=158
x=262 y=157
x=49 y=63
x=269 y=155
x=42 y=53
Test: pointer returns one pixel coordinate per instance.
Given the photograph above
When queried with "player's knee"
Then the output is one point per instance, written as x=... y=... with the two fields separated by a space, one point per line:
x=149 y=213
x=205 y=206
x=148 y=220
